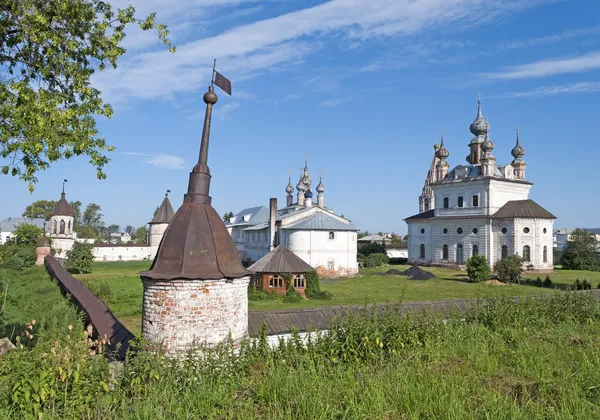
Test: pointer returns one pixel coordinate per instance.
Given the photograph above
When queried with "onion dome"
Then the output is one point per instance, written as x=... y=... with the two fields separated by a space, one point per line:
x=320 y=187
x=301 y=186
x=480 y=126
x=289 y=189
x=442 y=153
x=308 y=194
x=487 y=146
x=518 y=151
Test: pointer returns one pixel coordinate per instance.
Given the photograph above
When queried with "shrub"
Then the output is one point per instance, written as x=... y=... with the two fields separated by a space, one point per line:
x=580 y=252
x=478 y=269
x=313 y=287
x=375 y=260
x=547 y=282
x=539 y=282
x=370 y=249
x=261 y=295
x=80 y=258
x=18 y=257
x=586 y=285
x=577 y=285
x=292 y=296
x=509 y=269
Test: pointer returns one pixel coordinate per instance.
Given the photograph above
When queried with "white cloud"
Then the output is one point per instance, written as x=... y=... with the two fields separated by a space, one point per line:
x=331 y=103
x=249 y=49
x=226 y=109
x=160 y=161
x=552 y=67
x=549 y=39
x=582 y=87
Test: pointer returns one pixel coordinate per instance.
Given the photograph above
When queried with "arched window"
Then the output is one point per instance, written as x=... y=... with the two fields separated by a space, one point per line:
x=62 y=226
x=526 y=253
x=504 y=251
x=475 y=250
x=120 y=258
x=422 y=251
x=460 y=259
x=276 y=281
x=298 y=281
x=426 y=206
x=331 y=235
x=331 y=264
x=54 y=230
x=545 y=256
x=445 y=252
x=104 y=258
x=69 y=227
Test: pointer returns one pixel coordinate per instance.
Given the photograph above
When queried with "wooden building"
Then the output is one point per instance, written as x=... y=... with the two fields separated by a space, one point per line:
x=267 y=273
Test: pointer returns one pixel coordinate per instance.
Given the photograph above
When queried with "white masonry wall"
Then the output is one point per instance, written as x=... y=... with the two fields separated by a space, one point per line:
x=157 y=231
x=122 y=252
x=180 y=315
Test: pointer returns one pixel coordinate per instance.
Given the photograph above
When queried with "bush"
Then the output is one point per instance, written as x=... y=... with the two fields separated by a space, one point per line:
x=539 y=282
x=257 y=295
x=292 y=296
x=509 y=269
x=582 y=285
x=369 y=249
x=80 y=258
x=547 y=282
x=398 y=261
x=375 y=260
x=313 y=287
x=18 y=257
x=478 y=269
x=580 y=252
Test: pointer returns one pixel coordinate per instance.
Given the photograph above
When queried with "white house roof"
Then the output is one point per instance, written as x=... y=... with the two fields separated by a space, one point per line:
x=368 y=238
x=321 y=221
x=9 y=225
x=260 y=226
x=253 y=216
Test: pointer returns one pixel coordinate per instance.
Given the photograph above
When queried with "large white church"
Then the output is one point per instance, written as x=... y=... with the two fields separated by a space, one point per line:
x=479 y=208
x=323 y=239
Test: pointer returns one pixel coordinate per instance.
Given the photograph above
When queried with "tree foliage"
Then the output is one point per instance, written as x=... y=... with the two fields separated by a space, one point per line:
x=141 y=235
x=26 y=234
x=509 y=269
x=42 y=209
x=478 y=269
x=580 y=252
x=227 y=216
x=80 y=258
x=48 y=106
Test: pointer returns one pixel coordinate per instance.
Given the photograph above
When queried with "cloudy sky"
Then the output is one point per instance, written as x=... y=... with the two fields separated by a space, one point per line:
x=361 y=87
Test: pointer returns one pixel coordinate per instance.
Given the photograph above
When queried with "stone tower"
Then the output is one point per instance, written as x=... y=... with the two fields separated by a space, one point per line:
x=61 y=226
x=42 y=248
x=159 y=224
x=427 y=199
x=196 y=292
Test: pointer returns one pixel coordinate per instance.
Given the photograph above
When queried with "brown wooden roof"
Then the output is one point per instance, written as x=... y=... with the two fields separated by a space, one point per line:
x=280 y=260
x=523 y=209
x=165 y=212
x=62 y=208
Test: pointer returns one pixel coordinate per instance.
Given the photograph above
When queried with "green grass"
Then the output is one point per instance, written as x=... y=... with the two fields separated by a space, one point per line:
x=126 y=301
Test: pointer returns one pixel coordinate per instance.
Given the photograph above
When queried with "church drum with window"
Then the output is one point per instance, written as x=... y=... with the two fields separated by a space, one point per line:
x=269 y=272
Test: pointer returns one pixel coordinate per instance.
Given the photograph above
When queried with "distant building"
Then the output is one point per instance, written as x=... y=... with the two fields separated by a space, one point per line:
x=564 y=236
x=313 y=232
x=7 y=226
x=373 y=239
x=267 y=272
x=480 y=208
x=120 y=237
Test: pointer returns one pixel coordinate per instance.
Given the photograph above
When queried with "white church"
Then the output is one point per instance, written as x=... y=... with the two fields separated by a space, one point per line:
x=479 y=208
x=63 y=235
x=313 y=232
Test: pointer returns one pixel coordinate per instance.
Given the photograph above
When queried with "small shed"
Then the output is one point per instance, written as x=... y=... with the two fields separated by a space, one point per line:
x=266 y=272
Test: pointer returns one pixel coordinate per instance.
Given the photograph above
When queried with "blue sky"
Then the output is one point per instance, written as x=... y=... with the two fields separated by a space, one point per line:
x=362 y=87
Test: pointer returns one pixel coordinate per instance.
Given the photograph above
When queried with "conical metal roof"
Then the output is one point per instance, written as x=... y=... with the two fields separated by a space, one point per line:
x=196 y=245
x=165 y=212
x=62 y=208
x=280 y=260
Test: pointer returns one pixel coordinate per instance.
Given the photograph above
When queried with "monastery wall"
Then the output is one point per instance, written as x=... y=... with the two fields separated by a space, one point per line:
x=336 y=255
x=121 y=252
x=181 y=315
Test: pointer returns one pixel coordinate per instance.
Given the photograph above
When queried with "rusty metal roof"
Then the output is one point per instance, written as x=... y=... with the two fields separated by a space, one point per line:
x=164 y=213
x=523 y=209
x=62 y=208
x=196 y=244
x=97 y=313
x=280 y=260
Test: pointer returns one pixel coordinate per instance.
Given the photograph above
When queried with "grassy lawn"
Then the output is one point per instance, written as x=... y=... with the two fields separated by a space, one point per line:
x=125 y=296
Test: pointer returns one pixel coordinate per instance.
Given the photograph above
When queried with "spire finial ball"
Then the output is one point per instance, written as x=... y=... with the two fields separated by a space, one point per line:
x=210 y=97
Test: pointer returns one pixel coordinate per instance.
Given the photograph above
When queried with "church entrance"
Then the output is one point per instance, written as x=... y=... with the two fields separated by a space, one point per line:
x=460 y=257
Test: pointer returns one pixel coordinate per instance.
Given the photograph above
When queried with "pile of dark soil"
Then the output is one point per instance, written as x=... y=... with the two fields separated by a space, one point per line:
x=393 y=272
x=416 y=273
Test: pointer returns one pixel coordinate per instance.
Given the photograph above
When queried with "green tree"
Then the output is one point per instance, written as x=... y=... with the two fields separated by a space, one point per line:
x=227 y=216
x=141 y=235
x=130 y=229
x=580 y=252
x=80 y=258
x=76 y=207
x=509 y=269
x=87 y=232
x=92 y=217
x=26 y=234
x=363 y=234
x=48 y=106
x=39 y=209
x=478 y=269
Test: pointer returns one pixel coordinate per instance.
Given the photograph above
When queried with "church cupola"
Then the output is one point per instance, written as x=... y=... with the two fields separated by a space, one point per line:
x=518 y=152
x=487 y=160
x=289 y=190
x=479 y=129
x=301 y=190
x=308 y=198
x=320 y=191
x=442 y=154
